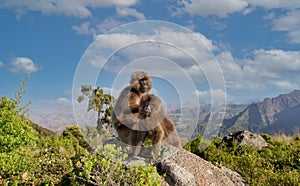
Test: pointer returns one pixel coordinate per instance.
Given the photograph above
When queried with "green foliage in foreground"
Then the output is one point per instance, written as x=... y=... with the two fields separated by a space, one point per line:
x=278 y=164
x=106 y=168
x=27 y=157
x=14 y=130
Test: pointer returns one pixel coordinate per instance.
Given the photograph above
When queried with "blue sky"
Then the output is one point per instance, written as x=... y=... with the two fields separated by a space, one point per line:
x=256 y=44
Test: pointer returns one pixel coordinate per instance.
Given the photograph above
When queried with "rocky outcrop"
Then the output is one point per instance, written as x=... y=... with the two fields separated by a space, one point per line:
x=184 y=168
x=246 y=138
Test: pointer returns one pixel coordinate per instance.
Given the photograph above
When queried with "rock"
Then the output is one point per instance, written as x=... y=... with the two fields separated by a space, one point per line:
x=181 y=168
x=184 y=168
x=245 y=137
x=234 y=176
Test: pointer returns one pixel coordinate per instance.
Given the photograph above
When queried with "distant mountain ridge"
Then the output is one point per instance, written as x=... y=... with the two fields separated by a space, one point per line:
x=271 y=115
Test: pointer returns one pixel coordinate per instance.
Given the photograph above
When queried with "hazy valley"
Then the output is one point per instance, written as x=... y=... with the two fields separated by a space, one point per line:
x=272 y=115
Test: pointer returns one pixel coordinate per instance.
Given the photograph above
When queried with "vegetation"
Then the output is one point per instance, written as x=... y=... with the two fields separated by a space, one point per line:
x=31 y=155
x=106 y=168
x=98 y=101
x=278 y=164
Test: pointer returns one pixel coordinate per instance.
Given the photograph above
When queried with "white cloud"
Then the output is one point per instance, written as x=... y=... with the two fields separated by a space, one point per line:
x=124 y=11
x=218 y=96
x=23 y=65
x=184 y=40
x=194 y=44
x=98 y=61
x=270 y=16
x=112 y=91
x=1 y=64
x=224 y=8
x=108 y=24
x=76 y=8
x=284 y=4
x=284 y=85
x=213 y=7
x=277 y=61
x=89 y=28
x=62 y=100
x=84 y=28
x=275 y=69
x=289 y=23
x=263 y=70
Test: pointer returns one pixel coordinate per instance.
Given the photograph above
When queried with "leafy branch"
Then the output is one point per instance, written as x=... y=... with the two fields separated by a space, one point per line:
x=99 y=102
x=18 y=97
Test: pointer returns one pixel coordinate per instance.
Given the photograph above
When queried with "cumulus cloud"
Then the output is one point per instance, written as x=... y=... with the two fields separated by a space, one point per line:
x=178 y=47
x=261 y=70
x=125 y=11
x=184 y=40
x=275 y=69
x=62 y=100
x=213 y=96
x=108 y=24
x=224 y=8
x=291 y=4
x=211 y=7
x=88 y=28
x=289 y=23
x=112 y=91
x=76 y=8
x=284 y=85
x=84 y=28
x=23 y=65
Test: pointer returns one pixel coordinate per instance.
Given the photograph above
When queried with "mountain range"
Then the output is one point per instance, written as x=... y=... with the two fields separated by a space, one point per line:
x=273 y=115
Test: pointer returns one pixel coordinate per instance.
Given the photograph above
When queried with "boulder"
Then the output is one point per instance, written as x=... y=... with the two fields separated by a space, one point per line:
x=181 y=168
x=184 y=168
x=245 y=137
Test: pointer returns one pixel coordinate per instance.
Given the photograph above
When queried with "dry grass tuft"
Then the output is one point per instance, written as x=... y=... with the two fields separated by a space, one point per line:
x=282 y=137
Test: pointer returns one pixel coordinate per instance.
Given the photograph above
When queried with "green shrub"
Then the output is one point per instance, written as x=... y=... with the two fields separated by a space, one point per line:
x=106 y=168
x=27 y=159
x=15 y=131
x=36 y=156
x=278 y=164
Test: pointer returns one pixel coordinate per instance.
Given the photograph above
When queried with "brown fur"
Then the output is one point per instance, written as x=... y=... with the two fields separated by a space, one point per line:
x=161 y=126
x=154 y=125
x=125 y=113
x=127 y=105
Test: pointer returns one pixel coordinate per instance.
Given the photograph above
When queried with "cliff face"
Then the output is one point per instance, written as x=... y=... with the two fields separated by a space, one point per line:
x=258 y=116
x=287 y=121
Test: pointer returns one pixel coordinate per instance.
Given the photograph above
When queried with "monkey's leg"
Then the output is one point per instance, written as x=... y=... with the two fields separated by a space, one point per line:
x=157 y=140
x=140 y=139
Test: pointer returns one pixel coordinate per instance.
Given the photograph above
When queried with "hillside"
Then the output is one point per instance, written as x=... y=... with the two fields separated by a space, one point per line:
x=287 y=122
x=267 y=115
x=41 y=131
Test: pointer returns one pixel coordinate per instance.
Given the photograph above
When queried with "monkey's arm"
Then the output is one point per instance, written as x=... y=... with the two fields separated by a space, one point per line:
x=122 y=112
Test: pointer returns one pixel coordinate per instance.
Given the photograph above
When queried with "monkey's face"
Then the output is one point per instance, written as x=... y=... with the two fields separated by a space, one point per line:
x=143 y=85
x=149 y=103
x=146 y=109
x=141 y=82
